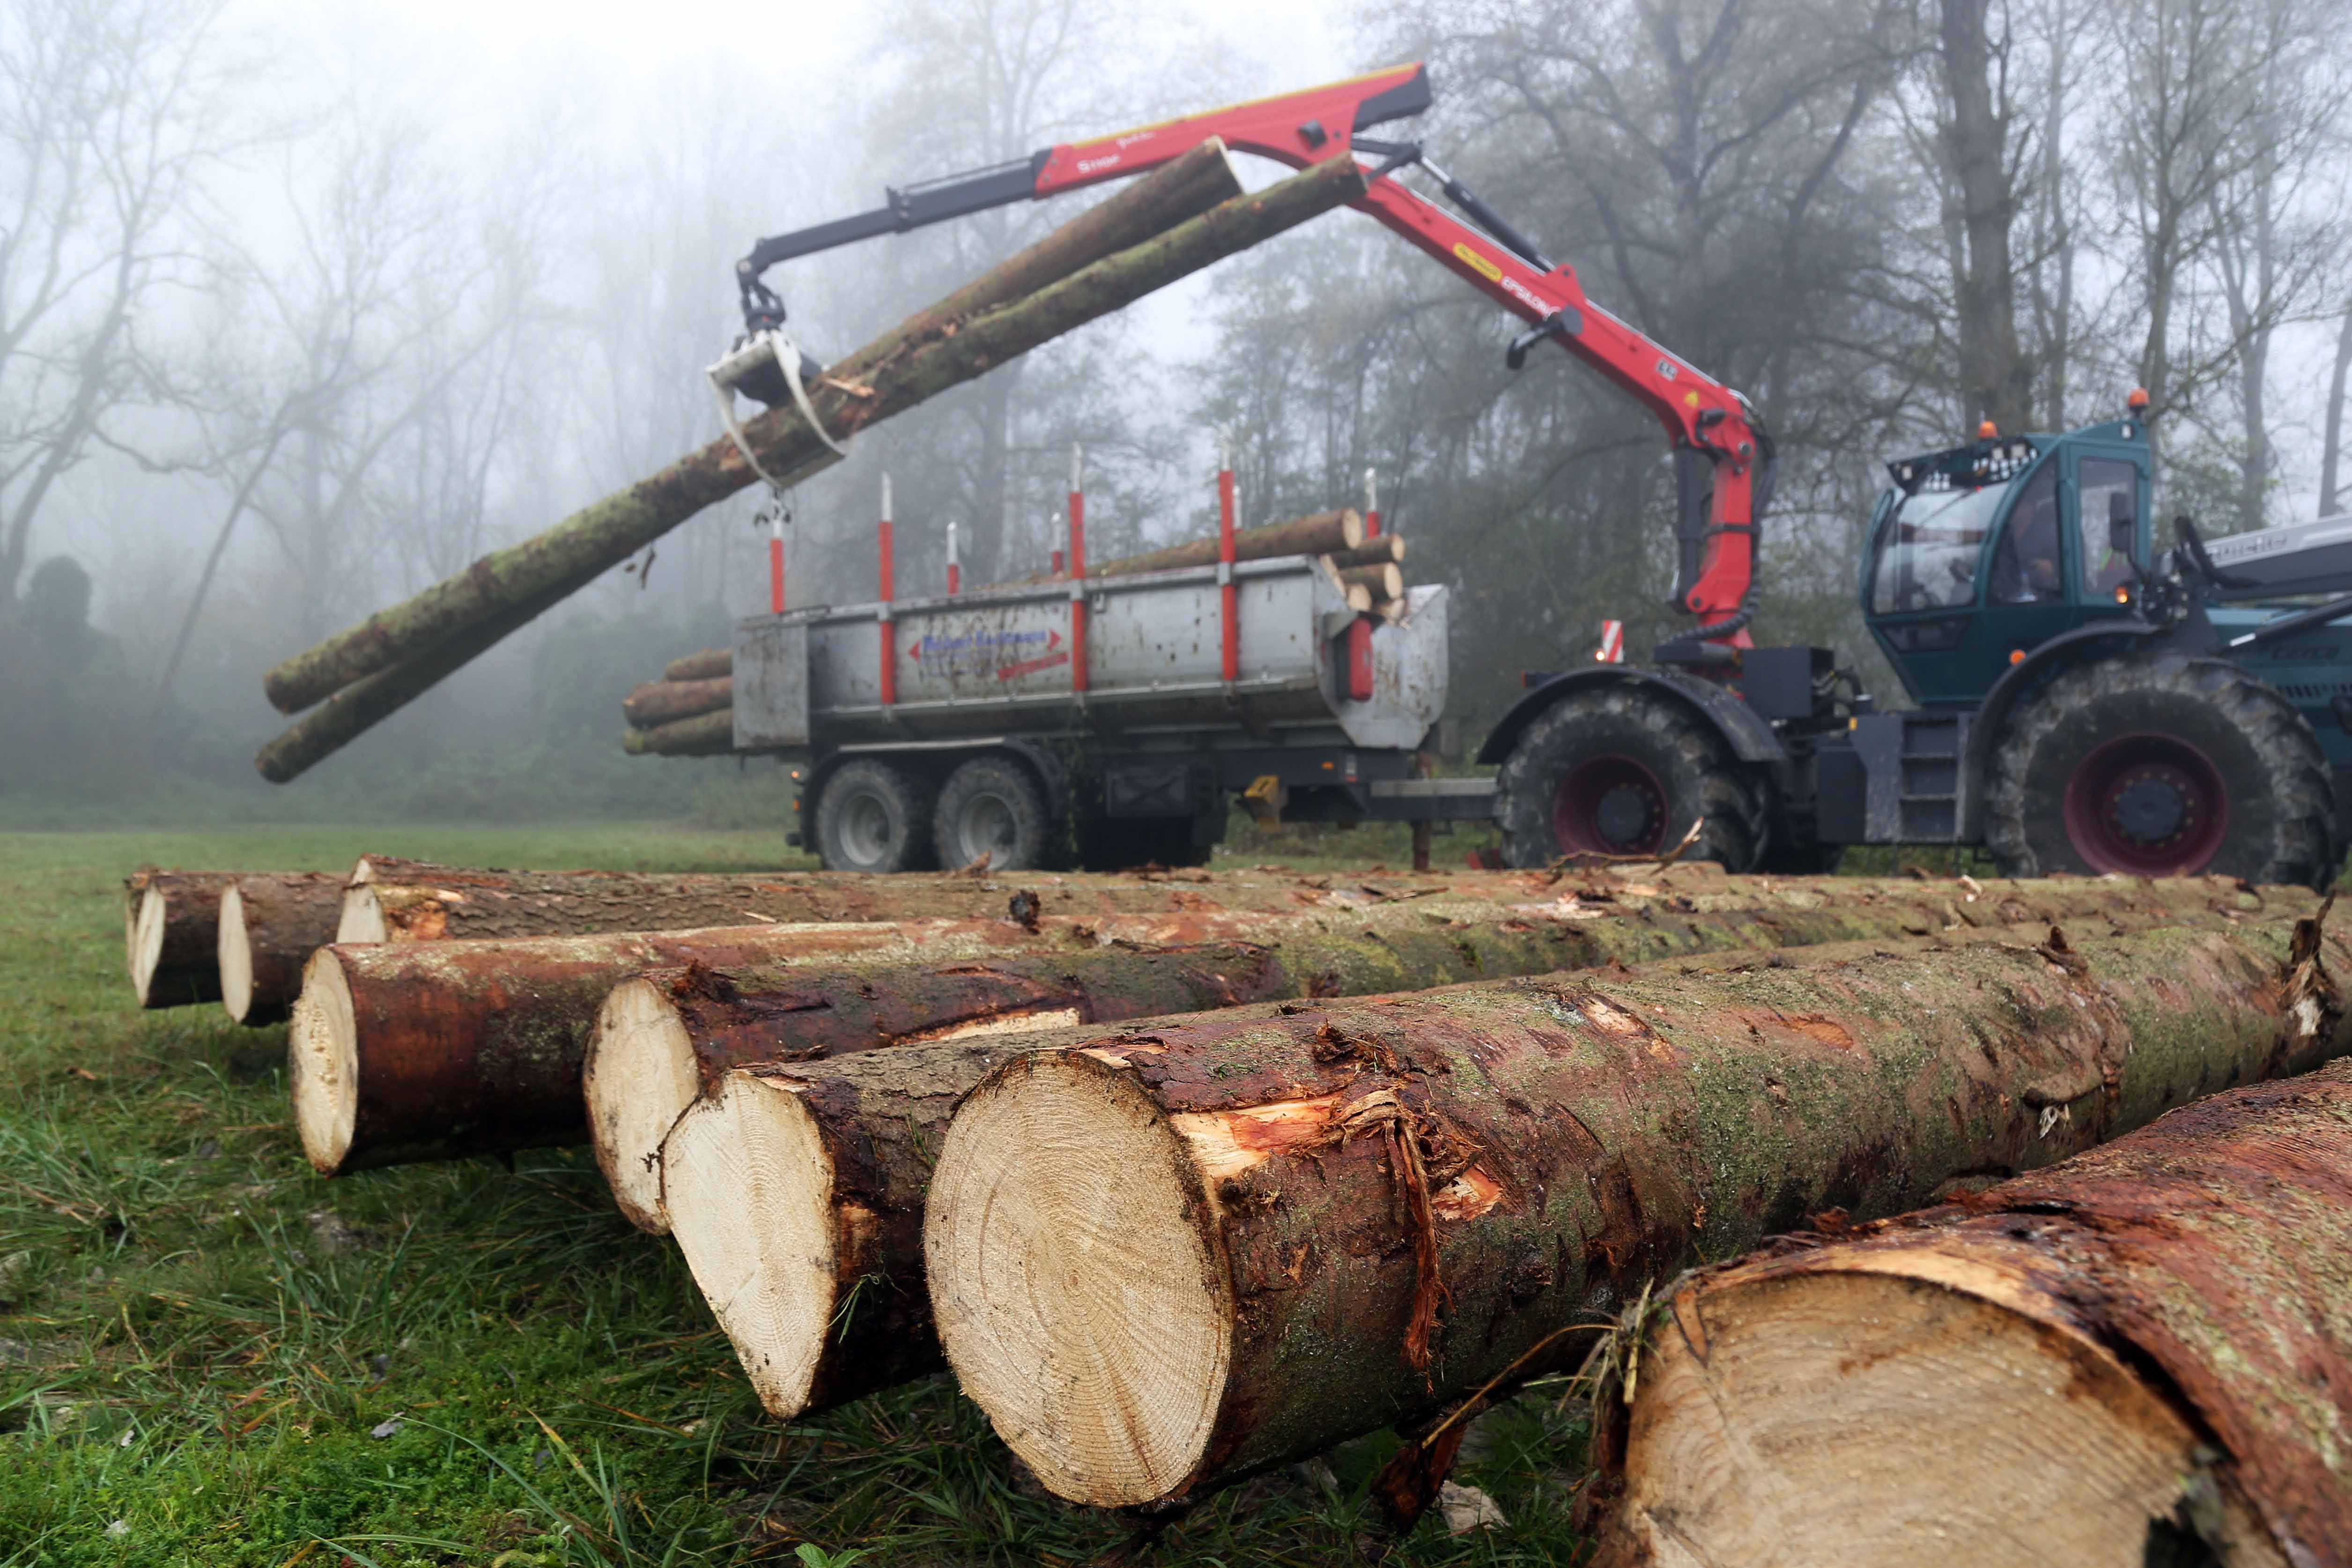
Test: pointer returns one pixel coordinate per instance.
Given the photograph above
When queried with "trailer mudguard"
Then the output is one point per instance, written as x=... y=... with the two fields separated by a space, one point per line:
x=1749 y=736
x=2022 y=678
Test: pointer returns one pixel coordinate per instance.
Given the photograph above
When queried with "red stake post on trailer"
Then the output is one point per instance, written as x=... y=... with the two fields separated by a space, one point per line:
x=955 y=571
x=1229 y=631
x=1372 y=503
x=776 y=558
x=1077 y=571
x=888 y=628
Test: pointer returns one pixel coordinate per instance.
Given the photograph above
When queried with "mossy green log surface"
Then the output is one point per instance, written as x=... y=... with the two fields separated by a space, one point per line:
x=1582 y=1137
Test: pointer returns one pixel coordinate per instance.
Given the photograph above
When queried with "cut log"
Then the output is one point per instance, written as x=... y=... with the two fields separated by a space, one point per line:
x=170 y=933
x=1321 y=533
x=1359 y=599
x=702 y=666
x=393 y=899
x=797 y=1194
x=405 y=1051
x=659 y=701
x=1189 y=1251
x=1382 y=550
x=505 y=589
x=665 y=1038
x=708 y=735
x=2141 y=1356
x=1383 y=581
x=269 y=927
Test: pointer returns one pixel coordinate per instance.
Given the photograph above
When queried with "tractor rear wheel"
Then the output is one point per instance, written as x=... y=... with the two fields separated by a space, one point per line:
x=1624 y=772
x=2162 y=767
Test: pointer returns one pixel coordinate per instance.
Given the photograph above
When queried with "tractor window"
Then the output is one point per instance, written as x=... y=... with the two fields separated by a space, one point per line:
x=2109 y=490
x=2026 y=569
x=1927 y=556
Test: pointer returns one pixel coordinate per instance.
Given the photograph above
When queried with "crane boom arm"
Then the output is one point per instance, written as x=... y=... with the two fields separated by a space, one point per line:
x=1710 y=426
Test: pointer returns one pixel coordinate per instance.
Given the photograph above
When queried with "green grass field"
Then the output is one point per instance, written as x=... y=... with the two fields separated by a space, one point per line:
x=208 y=1355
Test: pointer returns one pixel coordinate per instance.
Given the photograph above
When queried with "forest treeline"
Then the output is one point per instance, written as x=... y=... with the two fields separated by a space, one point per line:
x=273 y=352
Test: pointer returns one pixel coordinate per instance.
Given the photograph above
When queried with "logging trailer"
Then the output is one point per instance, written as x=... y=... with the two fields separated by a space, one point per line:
x=2082 y=702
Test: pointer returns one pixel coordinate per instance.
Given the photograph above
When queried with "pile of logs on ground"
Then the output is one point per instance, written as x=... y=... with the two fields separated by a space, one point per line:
x=1188 y=1175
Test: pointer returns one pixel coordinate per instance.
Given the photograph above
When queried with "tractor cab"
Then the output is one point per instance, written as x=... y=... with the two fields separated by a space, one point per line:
x=1980 y=553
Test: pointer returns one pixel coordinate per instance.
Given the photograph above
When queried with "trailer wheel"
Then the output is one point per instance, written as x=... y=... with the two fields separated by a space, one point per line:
x=874 y=816
x=1623 y=771
x=2162 y=767
x=991 y=806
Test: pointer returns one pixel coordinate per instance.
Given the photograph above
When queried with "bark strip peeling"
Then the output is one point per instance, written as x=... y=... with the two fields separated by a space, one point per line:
x=2142 y=1355
x=1154 y=1270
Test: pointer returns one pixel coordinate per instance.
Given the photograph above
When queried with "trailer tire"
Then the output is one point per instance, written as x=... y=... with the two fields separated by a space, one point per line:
x=875 y=816
x=992 y=807
x=1625 y=771
x=2164 y=766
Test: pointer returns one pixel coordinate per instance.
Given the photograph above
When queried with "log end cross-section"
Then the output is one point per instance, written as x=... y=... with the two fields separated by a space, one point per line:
x=1069 y=1219
x=748 y=1188
x=322 y=1058
x=642 y=1072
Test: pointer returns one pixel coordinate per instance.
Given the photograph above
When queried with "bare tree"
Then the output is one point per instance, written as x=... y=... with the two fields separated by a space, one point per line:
x=110 y=112
x=1996 y=379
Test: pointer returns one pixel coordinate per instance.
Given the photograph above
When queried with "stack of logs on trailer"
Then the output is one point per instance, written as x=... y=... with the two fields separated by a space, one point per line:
x=1184 y=1175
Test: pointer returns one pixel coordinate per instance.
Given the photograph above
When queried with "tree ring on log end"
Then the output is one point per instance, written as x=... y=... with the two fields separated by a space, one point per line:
x=1077 y=1278
x=748 y=1189
x=323 y=1058
x=234 y=956
x=153 y=923
x=640 y=1076
x=1868 y=1418
x=363 y=916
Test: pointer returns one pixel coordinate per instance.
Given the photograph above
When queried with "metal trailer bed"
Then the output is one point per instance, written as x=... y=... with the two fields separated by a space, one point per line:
x=1110 y=695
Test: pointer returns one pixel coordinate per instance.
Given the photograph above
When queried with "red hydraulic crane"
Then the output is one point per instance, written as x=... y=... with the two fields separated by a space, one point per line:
x=1723 y=457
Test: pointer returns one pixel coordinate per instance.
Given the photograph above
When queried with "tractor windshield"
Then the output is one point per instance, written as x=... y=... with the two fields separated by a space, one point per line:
x=1928 y=555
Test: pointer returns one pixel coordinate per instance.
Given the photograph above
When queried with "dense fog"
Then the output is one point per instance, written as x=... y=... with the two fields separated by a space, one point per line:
x=295 y=319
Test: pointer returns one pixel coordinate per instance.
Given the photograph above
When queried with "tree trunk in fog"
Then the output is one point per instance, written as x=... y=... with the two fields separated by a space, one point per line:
x=1995 y=379
x=2332 y=453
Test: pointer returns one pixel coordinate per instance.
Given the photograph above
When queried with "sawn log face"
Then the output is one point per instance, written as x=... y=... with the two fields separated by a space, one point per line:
x=2211 y=1253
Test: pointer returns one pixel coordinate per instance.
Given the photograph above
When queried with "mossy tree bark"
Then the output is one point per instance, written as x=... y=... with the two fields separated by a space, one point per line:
x=269 y=927
x=888 y=377
x=664 y=1039
x=2142 y=1355
x=1193 y=1249
x=171 y=935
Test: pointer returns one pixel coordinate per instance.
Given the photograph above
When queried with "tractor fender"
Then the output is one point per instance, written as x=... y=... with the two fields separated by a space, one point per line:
x=1749 y=736
x=2020 y=680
